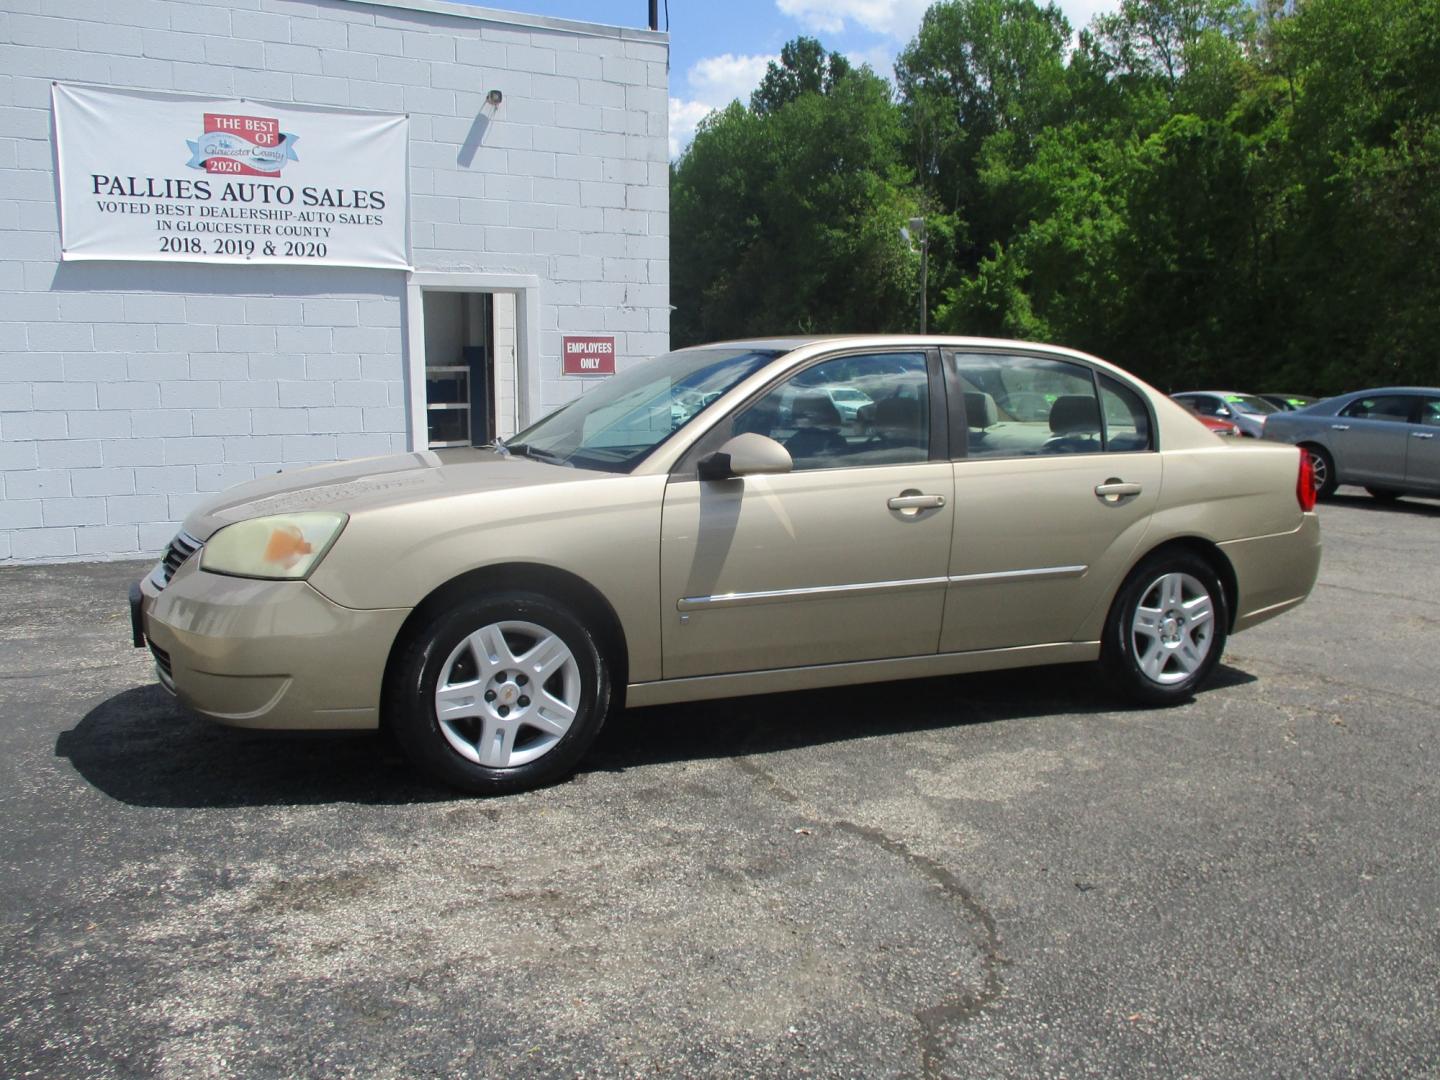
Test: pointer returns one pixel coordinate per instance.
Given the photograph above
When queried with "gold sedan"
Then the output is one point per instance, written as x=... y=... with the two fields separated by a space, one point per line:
x=709 y=524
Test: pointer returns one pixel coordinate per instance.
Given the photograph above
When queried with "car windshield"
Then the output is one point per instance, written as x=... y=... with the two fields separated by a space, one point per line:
x=615 y=425
x=1249 y=403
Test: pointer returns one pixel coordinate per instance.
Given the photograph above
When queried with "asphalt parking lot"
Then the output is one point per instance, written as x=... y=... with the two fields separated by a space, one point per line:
x=983 y=876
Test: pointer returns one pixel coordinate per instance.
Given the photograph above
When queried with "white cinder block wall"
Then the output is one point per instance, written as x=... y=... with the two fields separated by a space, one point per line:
x=130 y=390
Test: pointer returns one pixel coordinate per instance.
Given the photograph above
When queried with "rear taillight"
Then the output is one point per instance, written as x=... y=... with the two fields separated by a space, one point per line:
x=1305 y=483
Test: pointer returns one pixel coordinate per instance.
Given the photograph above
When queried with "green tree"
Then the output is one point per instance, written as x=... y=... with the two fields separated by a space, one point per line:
x=1207 y=191
x=981 y=80
x=804 y=68
x=1355 y=247
x=787 y=217
x=1161 y=37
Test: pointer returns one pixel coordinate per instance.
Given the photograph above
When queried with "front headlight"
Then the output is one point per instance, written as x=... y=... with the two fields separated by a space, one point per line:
x=287 y=546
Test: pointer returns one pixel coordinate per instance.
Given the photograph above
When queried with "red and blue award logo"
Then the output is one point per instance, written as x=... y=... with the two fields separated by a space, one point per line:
x=242 y=146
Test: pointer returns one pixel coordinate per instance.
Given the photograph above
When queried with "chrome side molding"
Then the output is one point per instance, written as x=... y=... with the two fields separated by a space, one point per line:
x=815 y=592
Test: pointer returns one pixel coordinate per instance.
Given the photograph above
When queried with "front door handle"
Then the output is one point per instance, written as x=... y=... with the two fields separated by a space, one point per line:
x=1115 y=490
x=913 y=502
x=1339 y=427
x=1422 y=435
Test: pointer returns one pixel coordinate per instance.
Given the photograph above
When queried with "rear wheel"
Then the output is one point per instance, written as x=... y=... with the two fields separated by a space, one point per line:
x=500 y=694
x=1322 y=467
x=1166 y=629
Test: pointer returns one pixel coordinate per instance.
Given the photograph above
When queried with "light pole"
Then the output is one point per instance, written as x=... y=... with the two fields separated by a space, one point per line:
x=917 y=231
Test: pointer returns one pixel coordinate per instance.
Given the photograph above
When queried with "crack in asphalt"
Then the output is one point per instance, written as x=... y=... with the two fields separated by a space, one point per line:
x=1320 y=676
x=1365 y=592
x=959 y=1007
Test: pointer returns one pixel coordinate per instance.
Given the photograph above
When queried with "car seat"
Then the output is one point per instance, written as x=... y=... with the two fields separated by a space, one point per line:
x=898 y=432
x=817 y=427
x=1074 y=424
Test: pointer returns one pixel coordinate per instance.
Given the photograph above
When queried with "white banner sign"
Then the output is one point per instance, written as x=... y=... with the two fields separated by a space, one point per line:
x=169 y=178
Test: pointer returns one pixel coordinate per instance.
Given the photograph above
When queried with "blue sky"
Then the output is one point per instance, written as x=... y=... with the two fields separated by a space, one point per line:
x=719 y=48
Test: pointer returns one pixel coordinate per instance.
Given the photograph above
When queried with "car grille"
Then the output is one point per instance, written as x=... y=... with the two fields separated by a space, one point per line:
x=162 y=667
x=181 y=548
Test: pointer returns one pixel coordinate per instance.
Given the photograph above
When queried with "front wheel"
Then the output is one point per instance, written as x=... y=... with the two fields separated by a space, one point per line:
x=1166 y=629
x=500 y=694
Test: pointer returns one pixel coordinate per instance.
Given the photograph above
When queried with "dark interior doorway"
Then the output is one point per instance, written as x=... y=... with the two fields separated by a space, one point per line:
x=459 y=368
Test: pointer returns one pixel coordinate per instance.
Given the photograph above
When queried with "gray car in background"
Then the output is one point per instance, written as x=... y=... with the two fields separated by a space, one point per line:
x=1248 y=412
x=1384 y=440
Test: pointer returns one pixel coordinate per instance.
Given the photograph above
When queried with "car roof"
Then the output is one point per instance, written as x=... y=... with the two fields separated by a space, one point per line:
x=793 y=342
x=772 y=344
x=1392 y=390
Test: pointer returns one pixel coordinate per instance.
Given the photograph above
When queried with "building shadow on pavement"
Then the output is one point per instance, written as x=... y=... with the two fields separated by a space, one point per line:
x=141 y=748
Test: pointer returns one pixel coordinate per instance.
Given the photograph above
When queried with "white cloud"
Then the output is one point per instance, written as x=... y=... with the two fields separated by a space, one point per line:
x=1080 y=12
x=713 y=83
x=881 y=59
x=685 y=116
x=897 y=19
x=722 y=79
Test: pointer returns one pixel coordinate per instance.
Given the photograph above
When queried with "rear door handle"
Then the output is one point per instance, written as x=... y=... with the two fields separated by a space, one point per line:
x=916 y=501
x=1422 y=435
x=1115 y=489
x=1339 y=427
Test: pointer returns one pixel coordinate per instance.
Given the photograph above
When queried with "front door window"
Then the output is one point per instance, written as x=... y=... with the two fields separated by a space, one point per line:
x=849 y=411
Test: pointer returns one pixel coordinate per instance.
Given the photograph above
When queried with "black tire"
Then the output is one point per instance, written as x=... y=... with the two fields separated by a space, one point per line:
x=1323 y=466
x=1384 y=494
x=1120 y=659
x=410 y=707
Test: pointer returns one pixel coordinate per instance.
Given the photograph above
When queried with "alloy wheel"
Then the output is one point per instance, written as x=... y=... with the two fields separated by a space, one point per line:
x=1173 y=628
x=507 y=694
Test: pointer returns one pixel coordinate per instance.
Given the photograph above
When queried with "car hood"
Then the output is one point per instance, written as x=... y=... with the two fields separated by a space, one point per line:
x=371 y=483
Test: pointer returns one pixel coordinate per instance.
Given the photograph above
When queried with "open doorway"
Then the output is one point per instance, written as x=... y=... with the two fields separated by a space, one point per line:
x=459 y=368
x=471 y=349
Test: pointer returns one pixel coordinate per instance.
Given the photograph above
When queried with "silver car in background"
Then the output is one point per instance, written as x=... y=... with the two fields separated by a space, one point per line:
x=1382 y=439
x=1248 y=412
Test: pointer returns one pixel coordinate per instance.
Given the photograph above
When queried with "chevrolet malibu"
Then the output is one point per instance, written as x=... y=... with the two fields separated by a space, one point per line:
x=1383 y=439
x=490 y=607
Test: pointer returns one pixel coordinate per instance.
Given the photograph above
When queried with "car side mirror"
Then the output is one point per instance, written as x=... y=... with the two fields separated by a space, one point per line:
x=749 y=454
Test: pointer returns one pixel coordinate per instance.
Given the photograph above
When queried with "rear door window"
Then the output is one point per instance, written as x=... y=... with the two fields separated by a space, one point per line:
x=1019 y=406
x=1396 y=408
x=1127 y=420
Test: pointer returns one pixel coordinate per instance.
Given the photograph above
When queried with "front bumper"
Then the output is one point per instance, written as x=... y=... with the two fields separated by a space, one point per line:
x=265 y=654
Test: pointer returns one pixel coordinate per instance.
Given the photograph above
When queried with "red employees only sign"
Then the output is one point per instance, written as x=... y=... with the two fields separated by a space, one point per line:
x=594 y=355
